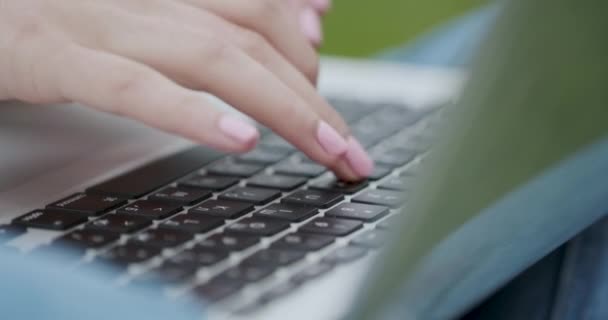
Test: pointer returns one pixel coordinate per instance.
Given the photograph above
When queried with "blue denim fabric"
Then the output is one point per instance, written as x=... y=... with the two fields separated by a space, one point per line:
x=571 y=283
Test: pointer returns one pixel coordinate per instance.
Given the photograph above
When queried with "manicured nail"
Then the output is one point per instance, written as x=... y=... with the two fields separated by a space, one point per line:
x=358 y=159
x=311 y=25
x=330 y=139
x=238 y=129
x=321 y=5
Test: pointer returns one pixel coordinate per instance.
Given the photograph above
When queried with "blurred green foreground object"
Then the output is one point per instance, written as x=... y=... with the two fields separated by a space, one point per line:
x=537 y=96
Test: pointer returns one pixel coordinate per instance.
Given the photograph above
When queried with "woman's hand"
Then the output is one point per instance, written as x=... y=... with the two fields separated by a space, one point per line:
x=148 y=60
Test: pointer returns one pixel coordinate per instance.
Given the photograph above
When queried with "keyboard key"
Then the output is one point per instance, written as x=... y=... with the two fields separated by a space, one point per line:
x=274 y=258
x=302 y=169
x=372 y=239
x=228 y=242
x=357 y=211
x=257 y=196
x=303 y=242
x=146 y=179
x=380 y=197
x=273 y=141
x=217 y=290
x=209 y=182
x=264 y=156
x=277 y=292
x=331 y=226
x=234 y=169
x=119 y=223
x=172 y=273
x=151 y=209
x=314 y=198
x=395 y=183
x=87 y=238
x=258 y=226
x=247 y=273
x=311 y=272
x=192 y=223
x=50 y=219
x=87 y=204
x=197 y=257
x=130 y=253
x=345 y=255
x=182 y=195
x=285 y=183
x=332 y=184
x=379 y=172
x=395 y=157
x=162 y=238
x=289 y=212
x=224 y=209
x=388 y=223
x=9 y=232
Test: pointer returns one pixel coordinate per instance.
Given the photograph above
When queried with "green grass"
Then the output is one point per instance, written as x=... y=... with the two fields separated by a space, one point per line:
x=363 y=27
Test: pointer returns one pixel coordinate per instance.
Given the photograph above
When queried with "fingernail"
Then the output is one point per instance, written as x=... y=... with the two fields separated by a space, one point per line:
x=311 y=25
x=330 y=139
x=321 y=5
x=238 y=129
x=358 y=159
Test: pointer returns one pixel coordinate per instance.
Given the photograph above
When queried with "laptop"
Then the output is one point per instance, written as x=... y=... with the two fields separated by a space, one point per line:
x=258 y=235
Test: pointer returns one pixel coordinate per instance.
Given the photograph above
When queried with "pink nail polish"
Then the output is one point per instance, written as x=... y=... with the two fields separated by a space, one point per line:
x=311 y=25
x=358 y=159
x=238 y=129
x=330 y=139
x=321 y=5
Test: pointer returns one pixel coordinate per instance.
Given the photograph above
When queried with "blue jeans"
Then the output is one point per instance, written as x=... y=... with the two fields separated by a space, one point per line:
x=571 y=283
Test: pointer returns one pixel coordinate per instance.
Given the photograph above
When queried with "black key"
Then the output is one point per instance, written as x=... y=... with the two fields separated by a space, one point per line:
x=162 y=238
x=87 y=204
x=331 y=226
x=345 y=255
x=192 y=223
x=278 y=292
x=258 y=226
x=234 y=169
x=395 y=157
x=300 y=169
x=227 y=242
x=198 y=257
x=209 y=182
x=8 y=232
x=379 y=172
x=224 y=209
x=256 y=196
x=146 y=179
x=285 y=183
x=181 y=195
x=87 y=238
x=167 y=272
x=151 y=209
x=217 y=290
x=314 y=198
x=264 y=156
x=119 y=223
x=395 y=183
x=272 y=141
x=303 y=242
x=50 y=219
x=372 y=239
x=357 y=211
x=273 y=257
x=388 y=223
x=380 y=197
x=247 y=273
x=285 y=211
x=311 y=272
x=130 y=253
x=332 y=184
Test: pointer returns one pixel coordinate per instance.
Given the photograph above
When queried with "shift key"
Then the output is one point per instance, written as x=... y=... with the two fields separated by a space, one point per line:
x=87 y=204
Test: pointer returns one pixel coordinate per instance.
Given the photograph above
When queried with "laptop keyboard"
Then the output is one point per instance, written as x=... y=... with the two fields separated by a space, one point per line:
x=212 y=224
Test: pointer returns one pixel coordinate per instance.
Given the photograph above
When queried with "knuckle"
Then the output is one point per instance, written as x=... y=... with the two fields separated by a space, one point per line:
x=267 y=9
x=254 y=44
x=213 y=50
x=124 y=88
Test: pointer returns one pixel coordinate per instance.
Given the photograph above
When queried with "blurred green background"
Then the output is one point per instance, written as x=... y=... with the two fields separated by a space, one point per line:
x=363 y=27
